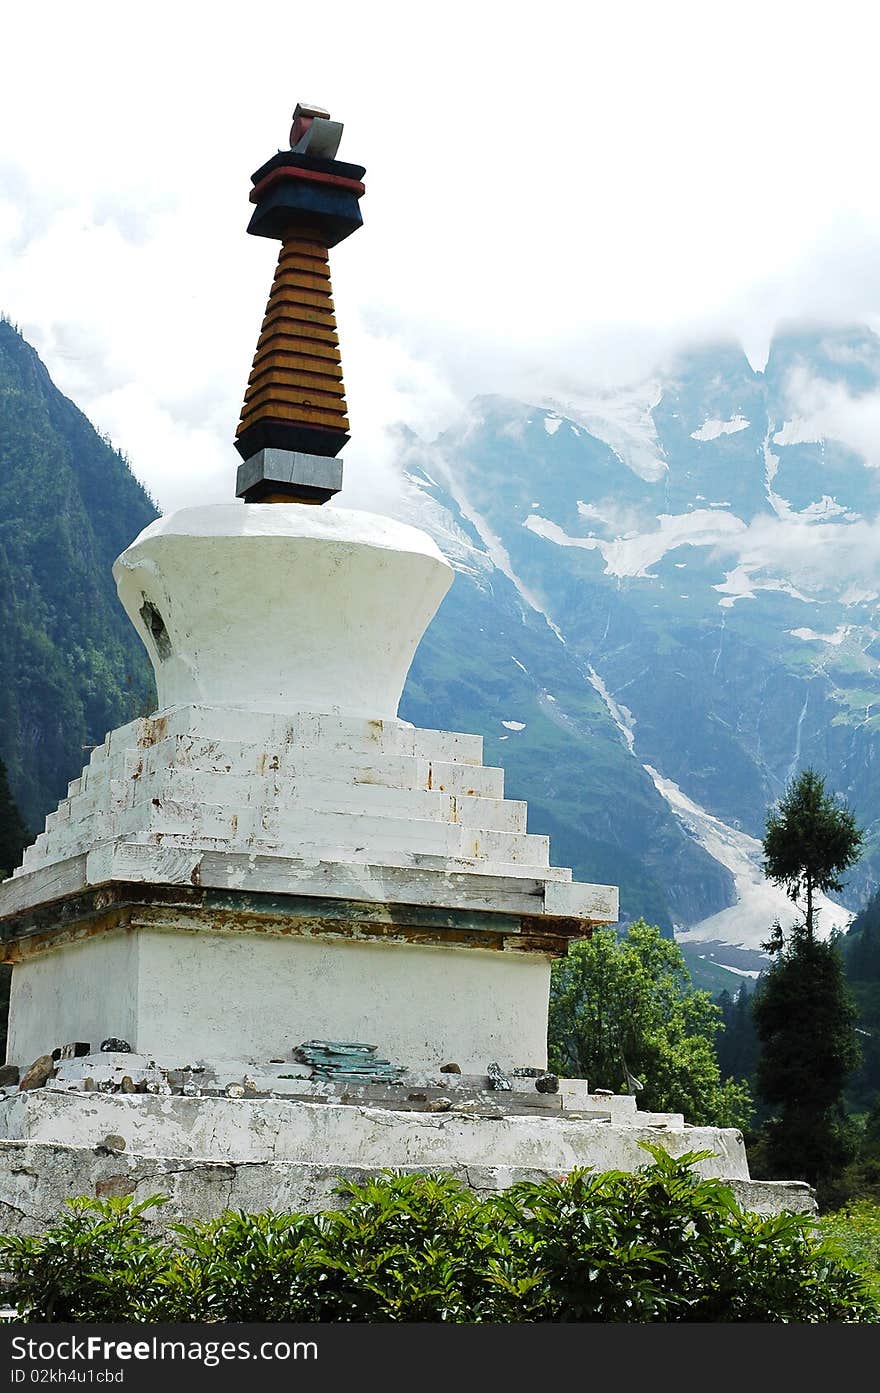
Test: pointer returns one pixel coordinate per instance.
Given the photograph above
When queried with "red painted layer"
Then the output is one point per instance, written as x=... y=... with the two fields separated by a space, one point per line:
x=290 y=172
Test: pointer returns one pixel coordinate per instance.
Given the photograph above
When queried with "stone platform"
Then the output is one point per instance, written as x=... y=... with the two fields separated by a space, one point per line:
x=266 y=1136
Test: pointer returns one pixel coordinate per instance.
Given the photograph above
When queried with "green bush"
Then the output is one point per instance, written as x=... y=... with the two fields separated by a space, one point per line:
x=853 y=1234
x=624 y=1008
x=658 y=1245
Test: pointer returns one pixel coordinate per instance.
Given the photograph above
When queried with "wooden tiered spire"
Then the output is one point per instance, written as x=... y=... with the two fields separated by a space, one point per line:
x=297 y=371
x=294 y=420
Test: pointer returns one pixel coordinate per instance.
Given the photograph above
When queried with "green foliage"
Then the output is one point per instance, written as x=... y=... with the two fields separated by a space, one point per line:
x=860 y=1180
x=805 y=1021
x=861 y=944
x=13 y=839
x=737 y=1046
x=658 y=1245
x=810 y=840
x=853 y=1234
x=861 y=950
x=621 y=1006
x=803 y=1013
x=101 y=1263
x=13 y=833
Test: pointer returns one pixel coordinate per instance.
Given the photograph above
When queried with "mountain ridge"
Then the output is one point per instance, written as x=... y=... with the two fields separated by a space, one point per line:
x=71 y=667
x=703 y=497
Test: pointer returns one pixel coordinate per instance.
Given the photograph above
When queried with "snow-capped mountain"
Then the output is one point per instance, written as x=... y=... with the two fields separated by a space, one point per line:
x=668 y=602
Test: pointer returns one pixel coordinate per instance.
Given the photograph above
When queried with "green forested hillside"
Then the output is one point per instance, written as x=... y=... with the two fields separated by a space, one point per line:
x=13 y=833
x=71 y=666
x=861 y=946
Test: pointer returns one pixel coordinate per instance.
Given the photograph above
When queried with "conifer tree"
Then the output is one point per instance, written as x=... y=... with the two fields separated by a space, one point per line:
x=810 y=840
x=803 y=1012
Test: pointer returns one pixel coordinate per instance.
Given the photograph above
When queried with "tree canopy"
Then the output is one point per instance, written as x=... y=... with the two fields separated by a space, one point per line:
x=810 y=840
x=623 y=1010
x=803 y=1012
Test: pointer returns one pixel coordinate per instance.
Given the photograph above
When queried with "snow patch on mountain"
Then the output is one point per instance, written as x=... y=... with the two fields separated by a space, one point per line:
x=781 y=507
x=752 y=972
x=859 y=595
x=621 y=715
x=495 y=548
x=632 y=556
x=827 y=507
x=621 y=418
x=712 y=429
x=552 y=424
x=759 y=903
x=796 y=432
x=742 y=583
x=591 y=513
x=810 y=635
x=418 y=506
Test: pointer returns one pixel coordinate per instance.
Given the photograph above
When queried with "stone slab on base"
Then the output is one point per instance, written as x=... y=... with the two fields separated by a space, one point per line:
x=36 y=1178
x=337 y=1134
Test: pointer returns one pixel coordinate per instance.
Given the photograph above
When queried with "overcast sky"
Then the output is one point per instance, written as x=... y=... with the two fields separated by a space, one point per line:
x=554 y=192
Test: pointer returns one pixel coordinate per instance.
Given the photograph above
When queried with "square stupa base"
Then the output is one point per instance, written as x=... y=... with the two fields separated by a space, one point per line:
x=166 y=979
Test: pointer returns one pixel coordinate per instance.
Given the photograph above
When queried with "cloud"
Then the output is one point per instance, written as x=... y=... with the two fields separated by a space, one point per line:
x=547 y=203
x=813 y=555
x=829 y=409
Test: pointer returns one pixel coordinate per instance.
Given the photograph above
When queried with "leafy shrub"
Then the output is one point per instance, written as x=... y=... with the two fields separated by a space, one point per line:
x=101 y=1263
x=658 y=1245
x=853 y=1234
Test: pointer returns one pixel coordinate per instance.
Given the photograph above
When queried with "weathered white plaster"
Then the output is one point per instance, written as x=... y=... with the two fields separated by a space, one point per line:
x=85 y=991
x=282 y=607
x=219 y=995
x=37 y=1177
x=269 y=1129
x=307 y=803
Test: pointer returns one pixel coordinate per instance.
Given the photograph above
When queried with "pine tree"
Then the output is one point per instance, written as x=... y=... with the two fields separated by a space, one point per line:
x=862 y=943
x=803 y=1012
x=737 y=1047
x=861 y=952
x=809 y=842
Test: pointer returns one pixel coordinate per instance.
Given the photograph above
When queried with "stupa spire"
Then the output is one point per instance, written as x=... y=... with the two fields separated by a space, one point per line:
x=294 y=420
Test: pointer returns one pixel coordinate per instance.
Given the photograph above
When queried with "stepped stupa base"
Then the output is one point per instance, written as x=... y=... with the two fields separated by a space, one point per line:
x=296 y=1138
x=228 y=883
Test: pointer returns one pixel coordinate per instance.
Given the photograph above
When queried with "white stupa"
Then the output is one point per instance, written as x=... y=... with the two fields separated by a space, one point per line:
x=245 y=890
